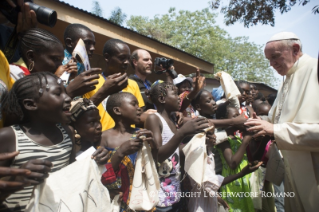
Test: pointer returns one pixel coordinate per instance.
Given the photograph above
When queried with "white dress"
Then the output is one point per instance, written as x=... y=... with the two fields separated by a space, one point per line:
x=206 y=197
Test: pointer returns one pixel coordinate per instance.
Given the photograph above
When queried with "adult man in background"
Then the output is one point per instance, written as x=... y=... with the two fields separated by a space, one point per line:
x=293 y=120
x=141 y=62
x=114 y=79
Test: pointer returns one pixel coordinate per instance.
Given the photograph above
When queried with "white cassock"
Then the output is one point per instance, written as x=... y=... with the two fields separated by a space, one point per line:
x=295 y=115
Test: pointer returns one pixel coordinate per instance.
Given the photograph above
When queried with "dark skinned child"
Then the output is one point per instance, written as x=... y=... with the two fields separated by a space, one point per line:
x=85 y=119
x=234 y=159
x=124 y=142
x=208 y=199
x=245 y=99
x=42 y=136
x=167 y=138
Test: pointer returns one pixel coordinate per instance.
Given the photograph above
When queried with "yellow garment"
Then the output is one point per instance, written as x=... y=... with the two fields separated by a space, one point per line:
x=6 y=81
x=296 y=131
x=106 y=120
x=21 y=62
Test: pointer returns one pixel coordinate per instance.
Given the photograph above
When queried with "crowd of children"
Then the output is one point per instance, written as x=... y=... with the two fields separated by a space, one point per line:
x=47 y=124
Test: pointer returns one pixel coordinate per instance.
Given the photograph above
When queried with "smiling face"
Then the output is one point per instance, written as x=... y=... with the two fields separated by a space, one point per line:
x=281 y=57
x=130 y=110
x=54 y=103
x=119 y=61
x=206 y=105
x=47 y=59
x=144 y=63
x=89 y=127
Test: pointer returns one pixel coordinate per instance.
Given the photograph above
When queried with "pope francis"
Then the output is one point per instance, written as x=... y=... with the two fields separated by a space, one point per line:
x=293 y=120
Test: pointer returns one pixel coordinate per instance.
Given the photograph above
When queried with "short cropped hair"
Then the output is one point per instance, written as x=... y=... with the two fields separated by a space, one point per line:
x=115 y=100
x=110 y=46
x=134 y=56
x=73 y=30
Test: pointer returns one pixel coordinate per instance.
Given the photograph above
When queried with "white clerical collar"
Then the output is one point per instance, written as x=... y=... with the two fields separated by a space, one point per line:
x=294 y=67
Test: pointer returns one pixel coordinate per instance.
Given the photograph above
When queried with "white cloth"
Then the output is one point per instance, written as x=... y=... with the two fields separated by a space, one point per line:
x=206 y=195
x=16 y=72
x=76 y=187
x=231 y=91
x=196 y=157
x=256 y=181
x=144 y=194
x=295 y=116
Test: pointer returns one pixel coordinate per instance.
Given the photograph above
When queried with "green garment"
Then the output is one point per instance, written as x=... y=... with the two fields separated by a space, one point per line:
x=238 y=203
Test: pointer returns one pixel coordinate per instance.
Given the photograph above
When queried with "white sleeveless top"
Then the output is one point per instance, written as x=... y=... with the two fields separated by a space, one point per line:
x=58 y=154
x=170 y=191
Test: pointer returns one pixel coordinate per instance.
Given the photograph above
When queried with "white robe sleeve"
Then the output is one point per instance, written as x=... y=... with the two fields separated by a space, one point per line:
x=297 y=137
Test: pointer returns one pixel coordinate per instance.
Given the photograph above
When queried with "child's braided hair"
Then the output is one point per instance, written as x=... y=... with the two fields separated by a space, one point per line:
x=27 y=87
x=159 y=88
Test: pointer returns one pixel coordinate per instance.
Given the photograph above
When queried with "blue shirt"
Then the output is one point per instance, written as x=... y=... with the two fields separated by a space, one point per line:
x=67 y=58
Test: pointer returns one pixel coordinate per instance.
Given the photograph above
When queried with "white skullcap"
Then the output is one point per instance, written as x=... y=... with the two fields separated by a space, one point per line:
x=283 y=36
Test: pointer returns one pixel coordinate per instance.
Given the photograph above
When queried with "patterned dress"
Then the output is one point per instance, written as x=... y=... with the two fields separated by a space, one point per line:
x=123 y=178
x=241 y=203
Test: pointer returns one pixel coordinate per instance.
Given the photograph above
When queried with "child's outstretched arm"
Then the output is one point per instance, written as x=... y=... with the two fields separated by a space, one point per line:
x=194 y=126
x=233 y=160
x=237 y=122
x=246 y=170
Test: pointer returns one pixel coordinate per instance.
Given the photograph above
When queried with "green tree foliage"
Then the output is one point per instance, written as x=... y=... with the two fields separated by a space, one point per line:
x=252 y=12
x=96 y=9
x=117 y=16
x=197 y=34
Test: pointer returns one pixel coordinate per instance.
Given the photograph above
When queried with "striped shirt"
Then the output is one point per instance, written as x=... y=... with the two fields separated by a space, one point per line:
x=58 y=154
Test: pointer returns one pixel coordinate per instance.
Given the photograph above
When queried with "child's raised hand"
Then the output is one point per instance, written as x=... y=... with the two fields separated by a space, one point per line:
x=251 y=168
x=239 y=122
x=101 y=156
x=179 y=119
x=84 y=82
x=39 y=171
x=147 y=135
x=129 y=147
x=199 y=81
x=194 y=126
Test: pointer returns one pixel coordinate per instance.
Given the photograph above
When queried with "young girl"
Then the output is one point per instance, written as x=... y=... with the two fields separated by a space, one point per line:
x=234 y=159
x=88 y=129
x=42 y=138
x=206 y=106
x=245 y=99
x=208 y=198
x=168 y=138
x=123 y=141
x=40 y=50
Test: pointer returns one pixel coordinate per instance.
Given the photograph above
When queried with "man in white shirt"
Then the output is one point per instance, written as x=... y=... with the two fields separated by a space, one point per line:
x=293 y=120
